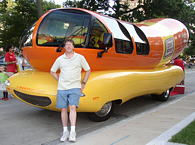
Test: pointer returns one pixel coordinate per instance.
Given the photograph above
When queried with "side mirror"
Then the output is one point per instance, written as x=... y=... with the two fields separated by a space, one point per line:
x=108 y=40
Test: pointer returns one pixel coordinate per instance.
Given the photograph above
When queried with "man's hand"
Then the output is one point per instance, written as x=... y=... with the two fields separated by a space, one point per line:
x=82 y=87
x=55 y=75
x=87 y=73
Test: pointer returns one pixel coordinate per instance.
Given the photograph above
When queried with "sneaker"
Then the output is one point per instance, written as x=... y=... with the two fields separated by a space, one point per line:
x=72 y=136
x=2 y=98
x=65 y=135
x=5 y=99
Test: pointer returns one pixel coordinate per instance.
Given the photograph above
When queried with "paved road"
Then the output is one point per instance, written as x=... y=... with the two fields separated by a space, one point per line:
x=24 y=124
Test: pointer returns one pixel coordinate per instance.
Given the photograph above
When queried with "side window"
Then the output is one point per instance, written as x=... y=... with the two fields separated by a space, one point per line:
x=142 y=44
x=27 y=38
x=123 y=46
x=97 y=34
x=123 y=41
x=142 y=47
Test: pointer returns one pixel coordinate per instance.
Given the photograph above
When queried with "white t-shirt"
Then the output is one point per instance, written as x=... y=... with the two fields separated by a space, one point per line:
x=70 y=70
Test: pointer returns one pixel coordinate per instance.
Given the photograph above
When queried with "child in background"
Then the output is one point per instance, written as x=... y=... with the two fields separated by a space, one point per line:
x=3 y=77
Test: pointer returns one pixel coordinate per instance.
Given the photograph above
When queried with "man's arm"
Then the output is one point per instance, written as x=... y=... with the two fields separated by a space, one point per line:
x=87 y=73
x=55 y=75
x=8 y=62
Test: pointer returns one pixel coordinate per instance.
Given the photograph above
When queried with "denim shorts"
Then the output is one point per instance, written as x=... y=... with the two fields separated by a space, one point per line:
x=68 y=97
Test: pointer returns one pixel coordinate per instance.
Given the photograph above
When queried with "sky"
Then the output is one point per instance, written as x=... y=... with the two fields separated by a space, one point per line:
x=59 y=2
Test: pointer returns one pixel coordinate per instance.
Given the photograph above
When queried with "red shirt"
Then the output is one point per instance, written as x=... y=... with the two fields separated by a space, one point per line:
x=11 y=67
x=179 y=62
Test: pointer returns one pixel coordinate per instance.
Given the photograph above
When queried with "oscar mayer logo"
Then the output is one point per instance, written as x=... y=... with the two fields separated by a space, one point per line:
x=169 y=47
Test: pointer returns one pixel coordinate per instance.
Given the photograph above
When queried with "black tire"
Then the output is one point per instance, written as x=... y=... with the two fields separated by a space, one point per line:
x=104 y=114
x=162 y=97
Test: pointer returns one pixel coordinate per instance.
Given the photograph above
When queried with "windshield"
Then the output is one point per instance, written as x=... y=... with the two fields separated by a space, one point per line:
x=60 y=25
x=27 y=38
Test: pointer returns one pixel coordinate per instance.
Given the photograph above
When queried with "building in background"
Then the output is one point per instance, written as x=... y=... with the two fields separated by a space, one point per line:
x=133 y=3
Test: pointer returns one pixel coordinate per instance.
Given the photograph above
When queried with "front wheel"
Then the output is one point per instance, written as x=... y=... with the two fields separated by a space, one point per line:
x=162 y=97
x=104 y=114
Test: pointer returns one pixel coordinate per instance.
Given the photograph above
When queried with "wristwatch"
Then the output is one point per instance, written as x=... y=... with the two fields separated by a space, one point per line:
x=84 y=83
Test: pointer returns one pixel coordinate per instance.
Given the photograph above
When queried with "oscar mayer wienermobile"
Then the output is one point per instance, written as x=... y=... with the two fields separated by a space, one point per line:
x=127 y=60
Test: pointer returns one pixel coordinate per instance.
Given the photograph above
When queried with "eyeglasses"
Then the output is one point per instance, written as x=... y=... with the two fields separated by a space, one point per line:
x=68 y=45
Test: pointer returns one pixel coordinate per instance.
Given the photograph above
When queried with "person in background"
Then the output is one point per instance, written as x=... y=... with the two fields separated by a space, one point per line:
x=3 y=76
x=69 y=86
x=25 y=64
x=11 y=60
x=180 y=63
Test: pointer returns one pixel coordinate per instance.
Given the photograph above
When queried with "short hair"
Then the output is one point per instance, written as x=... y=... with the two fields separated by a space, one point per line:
x=2 y=66
x=69 y=40
x=8 y=47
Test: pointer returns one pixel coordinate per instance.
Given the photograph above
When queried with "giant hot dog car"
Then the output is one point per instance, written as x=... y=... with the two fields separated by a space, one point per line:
x=127 y=60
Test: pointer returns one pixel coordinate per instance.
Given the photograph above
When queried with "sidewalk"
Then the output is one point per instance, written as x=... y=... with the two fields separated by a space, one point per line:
x=152 y=128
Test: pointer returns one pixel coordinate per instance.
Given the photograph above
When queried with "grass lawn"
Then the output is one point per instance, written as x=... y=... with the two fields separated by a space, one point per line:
x=185 y=136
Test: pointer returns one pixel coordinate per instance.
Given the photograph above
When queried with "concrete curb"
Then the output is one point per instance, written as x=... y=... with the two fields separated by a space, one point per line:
x=166 y=136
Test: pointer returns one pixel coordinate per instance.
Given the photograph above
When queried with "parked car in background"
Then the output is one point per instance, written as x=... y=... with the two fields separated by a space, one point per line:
x=2 y=61
x=190 y=64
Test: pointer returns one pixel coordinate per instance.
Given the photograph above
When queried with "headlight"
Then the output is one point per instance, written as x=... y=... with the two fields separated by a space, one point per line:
x=7 y=82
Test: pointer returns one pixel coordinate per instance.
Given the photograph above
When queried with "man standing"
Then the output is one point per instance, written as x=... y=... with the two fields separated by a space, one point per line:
x=69 y=86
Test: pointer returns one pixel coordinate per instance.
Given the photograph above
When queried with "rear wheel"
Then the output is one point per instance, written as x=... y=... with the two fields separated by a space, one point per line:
x=162 y=97
x=104 y=114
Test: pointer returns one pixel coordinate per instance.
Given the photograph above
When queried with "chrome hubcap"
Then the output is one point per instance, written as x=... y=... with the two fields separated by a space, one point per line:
x=167 y=93
x=104 y=110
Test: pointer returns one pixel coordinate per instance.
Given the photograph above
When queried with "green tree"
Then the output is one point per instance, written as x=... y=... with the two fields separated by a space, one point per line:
x=119 y=9
x=88 y=4
x=190 y=23
x=3 y=7
x=49 y=5
x=17 y=18
x=102 y=6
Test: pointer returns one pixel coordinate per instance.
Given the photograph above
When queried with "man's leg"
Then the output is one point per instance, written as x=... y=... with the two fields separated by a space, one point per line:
x=72 y=117
x=74 y=97
x=64 y=118
x=62 y=102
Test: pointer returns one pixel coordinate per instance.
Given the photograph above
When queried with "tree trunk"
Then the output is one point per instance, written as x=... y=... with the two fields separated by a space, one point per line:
x=39 y=8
